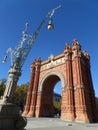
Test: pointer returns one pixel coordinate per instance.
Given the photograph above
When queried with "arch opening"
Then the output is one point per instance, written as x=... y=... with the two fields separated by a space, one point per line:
x=57 y=99
x=51 y=99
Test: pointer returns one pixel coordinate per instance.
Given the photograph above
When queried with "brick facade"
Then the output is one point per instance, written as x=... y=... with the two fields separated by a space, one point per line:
x=72 y=68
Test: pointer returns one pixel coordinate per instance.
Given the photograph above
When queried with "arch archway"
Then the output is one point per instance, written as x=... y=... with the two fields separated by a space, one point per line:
x=46 y=87
x=52 y=74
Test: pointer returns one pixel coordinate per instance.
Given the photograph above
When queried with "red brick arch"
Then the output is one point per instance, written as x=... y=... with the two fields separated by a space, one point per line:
x=72 y=68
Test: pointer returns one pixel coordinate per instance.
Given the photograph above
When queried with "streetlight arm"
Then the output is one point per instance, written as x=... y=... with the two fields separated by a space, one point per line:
x=32 y=39
x=51 y=13
x=29 y=44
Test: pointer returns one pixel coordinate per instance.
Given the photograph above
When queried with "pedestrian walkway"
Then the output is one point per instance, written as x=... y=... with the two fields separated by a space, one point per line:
x=57 y=124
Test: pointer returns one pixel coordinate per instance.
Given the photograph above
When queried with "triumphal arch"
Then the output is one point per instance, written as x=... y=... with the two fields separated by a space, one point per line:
x=72 y=68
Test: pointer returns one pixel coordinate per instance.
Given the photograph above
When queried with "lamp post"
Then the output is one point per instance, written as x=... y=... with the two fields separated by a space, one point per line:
x=9 y=113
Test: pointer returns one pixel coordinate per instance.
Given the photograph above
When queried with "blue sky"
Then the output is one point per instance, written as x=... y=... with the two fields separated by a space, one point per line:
x=76 y=19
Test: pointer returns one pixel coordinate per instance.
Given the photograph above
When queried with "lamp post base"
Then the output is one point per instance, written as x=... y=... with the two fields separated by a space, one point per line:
x=10 y=118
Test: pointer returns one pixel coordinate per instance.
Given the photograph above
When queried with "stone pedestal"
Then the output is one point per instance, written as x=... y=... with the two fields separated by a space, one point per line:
x=10 y=117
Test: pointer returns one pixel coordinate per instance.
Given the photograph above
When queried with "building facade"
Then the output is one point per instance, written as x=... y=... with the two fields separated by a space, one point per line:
x=56 y=97
x=72 y=68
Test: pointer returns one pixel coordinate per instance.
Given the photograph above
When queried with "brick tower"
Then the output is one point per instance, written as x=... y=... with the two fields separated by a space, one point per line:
x=72 y=68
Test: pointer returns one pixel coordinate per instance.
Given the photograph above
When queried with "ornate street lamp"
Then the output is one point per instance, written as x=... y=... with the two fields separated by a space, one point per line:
x=50 y=25
x=9 y=113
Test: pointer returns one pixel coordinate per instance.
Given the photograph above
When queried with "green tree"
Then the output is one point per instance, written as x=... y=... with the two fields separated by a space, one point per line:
x=20 y=95
x=2 y=86
x=57 y=106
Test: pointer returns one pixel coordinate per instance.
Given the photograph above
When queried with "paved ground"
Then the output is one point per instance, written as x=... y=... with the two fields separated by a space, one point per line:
x=57 y=124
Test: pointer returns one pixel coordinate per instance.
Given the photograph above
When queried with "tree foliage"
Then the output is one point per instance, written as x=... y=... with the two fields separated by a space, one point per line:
x=2 y=86
x=21 y=92
x=19 y=95
x=57 y=106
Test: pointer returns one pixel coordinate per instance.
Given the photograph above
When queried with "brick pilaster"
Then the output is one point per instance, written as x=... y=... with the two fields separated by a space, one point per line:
x=68 y=106
x=79 y=86
x=35 y=88
x=29 y=93
x=93 y=107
